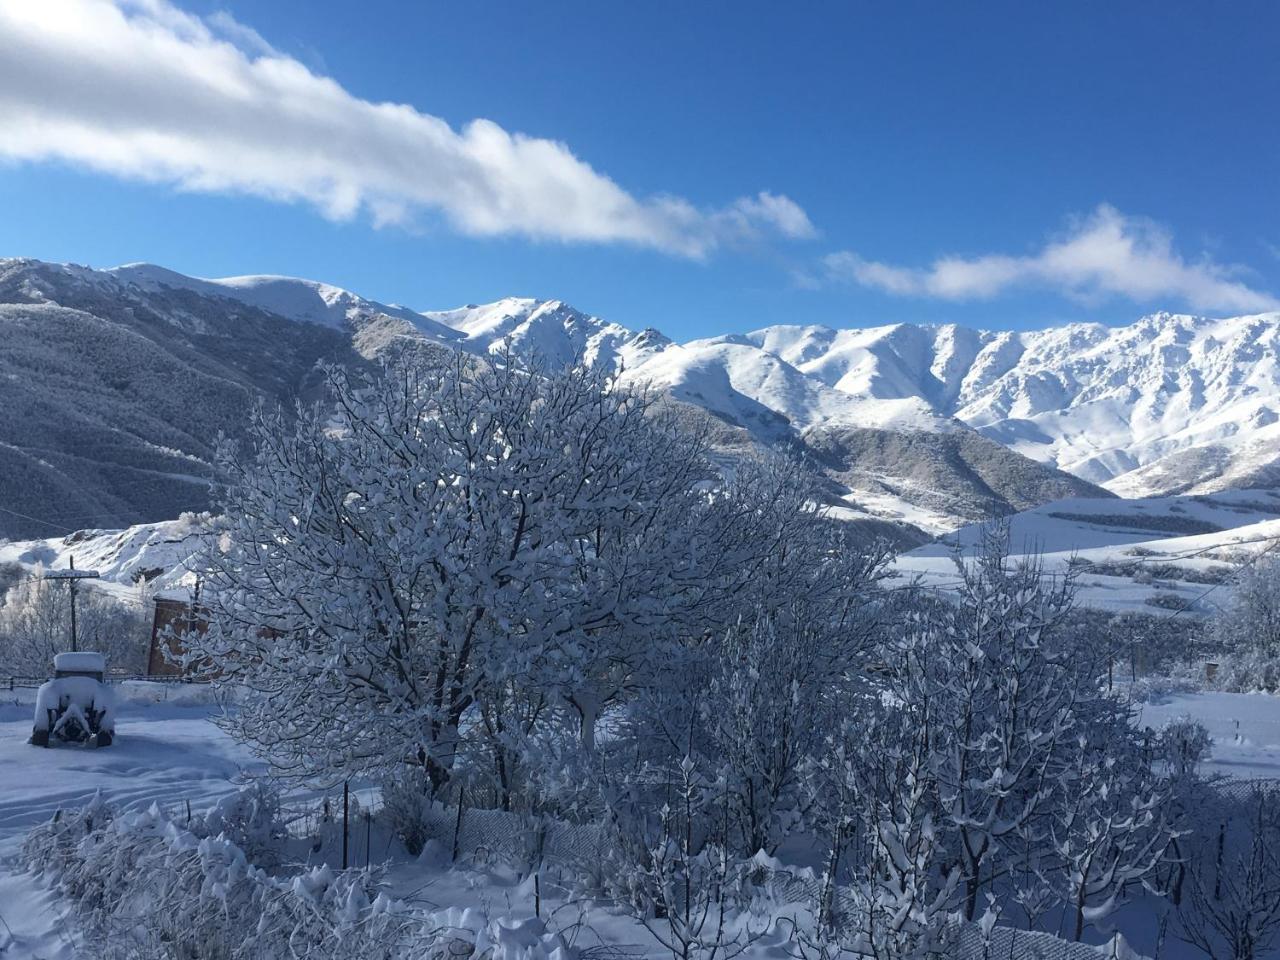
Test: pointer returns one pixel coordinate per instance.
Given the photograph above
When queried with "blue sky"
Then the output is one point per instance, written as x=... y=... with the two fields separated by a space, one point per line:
x=701 y=168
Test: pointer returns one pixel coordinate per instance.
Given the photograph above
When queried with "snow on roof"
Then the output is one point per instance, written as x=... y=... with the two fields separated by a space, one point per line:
x=83 y=662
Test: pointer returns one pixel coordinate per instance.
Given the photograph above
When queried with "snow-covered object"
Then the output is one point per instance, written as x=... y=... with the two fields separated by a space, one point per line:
x=80 y=662
x=80 y=699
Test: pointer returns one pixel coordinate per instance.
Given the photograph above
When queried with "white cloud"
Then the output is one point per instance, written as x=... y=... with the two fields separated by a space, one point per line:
x=1105 y=254
x=770 y=209
x=140 y=89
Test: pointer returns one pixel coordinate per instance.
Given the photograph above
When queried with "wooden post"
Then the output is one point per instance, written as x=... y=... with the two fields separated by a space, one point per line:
x=72 y=575
x=346 y=797
x=457 y=824
x=72 y=561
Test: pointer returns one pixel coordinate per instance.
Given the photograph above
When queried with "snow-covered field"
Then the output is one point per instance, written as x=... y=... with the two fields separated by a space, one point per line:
x=1159 y=553
x=1245 y=728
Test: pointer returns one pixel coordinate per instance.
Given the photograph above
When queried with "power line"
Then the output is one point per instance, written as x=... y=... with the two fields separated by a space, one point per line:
x=80 y=516
x=1243 y=567
x=26 y=516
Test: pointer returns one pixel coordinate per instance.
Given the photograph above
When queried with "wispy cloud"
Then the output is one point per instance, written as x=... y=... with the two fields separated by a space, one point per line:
x=1103 y=255
x=141 y=89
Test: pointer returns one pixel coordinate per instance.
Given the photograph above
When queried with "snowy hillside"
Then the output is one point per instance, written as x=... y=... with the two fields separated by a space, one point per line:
x=154 y=554
x=120 y=380
x=114 y=395
x=1165 y=553
x=304 y=300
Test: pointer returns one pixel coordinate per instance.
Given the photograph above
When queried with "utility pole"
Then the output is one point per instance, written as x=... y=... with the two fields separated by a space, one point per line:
x=73 y=577
x=71 y=561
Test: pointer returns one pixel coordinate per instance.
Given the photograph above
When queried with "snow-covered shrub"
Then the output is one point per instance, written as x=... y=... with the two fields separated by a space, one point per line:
x=251 y=819
x=467 y=932
x=875 y=804
x=1231 y=907
x=52 y=846
x=1182 y=744
x=1250 y=618
x=1183 y=678
x=685 y=887
x=144 y=887
x=406 y=803
x=1247 y=670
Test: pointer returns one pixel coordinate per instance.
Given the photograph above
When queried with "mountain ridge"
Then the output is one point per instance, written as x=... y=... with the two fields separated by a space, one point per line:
x=1170 y=403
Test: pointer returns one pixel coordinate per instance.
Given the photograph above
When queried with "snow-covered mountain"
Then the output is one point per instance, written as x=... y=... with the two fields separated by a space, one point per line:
x=121 y=378
x=1169 y=404
x=304 y=300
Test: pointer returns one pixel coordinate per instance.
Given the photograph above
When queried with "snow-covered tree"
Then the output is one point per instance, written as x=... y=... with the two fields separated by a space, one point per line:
x=447 y=543
x=1001 y=697
x=905 y=892
x=1040 y=788
x=688 y=883
x=1247 y=627
x=1110 y=831
x=1232 y=907
x=752 y=702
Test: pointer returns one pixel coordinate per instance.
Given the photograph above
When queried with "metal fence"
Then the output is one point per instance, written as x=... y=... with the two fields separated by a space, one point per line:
x=1240 y=789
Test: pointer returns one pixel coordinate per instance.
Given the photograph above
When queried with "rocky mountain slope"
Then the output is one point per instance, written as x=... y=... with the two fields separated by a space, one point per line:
x=120 y=379
x=113 y=396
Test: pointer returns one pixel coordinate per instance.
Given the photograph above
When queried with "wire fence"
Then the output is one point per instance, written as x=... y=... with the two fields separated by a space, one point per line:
x=16 y=682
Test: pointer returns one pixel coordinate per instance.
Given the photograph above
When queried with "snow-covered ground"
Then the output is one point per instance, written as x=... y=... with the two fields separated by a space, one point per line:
x=169 y=752
x=166 y=751
x=1180 y=547
x=1245 y=728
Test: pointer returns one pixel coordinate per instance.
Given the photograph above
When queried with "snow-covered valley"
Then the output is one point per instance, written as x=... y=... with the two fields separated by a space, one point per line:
x=1161 y=555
